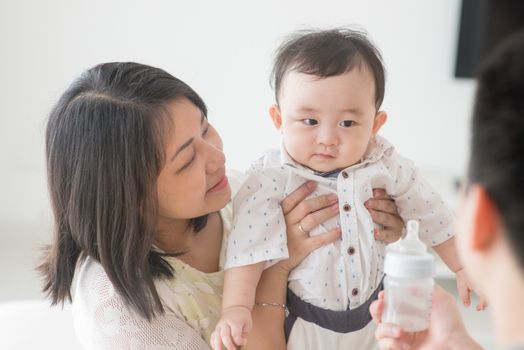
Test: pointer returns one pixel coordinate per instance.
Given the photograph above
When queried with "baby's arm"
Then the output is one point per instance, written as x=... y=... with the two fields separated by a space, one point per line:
x=448 y=254
x=240 y=284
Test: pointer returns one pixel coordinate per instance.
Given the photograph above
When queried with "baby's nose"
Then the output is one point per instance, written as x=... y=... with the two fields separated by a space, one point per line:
x=327 y=136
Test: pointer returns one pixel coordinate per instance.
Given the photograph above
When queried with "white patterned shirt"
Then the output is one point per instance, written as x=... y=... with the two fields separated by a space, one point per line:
x=345 y=273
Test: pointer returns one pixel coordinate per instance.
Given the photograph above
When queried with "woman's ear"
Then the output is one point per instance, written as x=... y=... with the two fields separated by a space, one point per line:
x=380 y=119
x=485 y=219
x=274 y=113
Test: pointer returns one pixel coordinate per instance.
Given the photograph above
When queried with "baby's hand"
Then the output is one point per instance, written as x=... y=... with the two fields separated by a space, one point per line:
x=464 y=287
x=232 y=328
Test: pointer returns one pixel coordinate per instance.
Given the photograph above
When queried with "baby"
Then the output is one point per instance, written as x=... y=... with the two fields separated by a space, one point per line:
x=329 y=86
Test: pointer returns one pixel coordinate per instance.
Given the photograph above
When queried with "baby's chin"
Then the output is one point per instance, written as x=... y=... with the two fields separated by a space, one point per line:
x=322 y=164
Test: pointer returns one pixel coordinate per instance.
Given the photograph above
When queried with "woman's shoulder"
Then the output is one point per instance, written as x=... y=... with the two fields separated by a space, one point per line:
x=103 y=320
x=93 y=288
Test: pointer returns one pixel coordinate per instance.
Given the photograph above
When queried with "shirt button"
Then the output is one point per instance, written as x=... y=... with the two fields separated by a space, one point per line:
x=351 y=250
x=346 y=207
x=354 y=292
x=345 y=174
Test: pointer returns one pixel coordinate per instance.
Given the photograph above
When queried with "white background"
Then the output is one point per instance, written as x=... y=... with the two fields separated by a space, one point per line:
x=223 y=49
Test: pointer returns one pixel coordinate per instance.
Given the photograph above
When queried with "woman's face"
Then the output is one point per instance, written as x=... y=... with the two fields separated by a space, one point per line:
x=193 y=181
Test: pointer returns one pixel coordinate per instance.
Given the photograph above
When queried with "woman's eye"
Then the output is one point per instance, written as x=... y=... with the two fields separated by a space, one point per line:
x=346 y=123
x=310 y=121
x=204 y=132
x=187 y=164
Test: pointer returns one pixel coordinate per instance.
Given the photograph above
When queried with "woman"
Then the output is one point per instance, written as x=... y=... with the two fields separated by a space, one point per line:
x=140 y=199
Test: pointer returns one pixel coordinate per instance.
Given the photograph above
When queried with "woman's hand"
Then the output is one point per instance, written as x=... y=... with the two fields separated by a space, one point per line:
x=384 y=212
x=302 y=215
x=446 y=329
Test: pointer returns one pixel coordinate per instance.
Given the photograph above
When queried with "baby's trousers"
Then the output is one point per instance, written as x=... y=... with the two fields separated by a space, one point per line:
x=309 y=327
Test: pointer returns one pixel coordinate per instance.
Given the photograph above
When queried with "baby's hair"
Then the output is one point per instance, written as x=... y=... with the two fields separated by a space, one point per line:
x=326 y=53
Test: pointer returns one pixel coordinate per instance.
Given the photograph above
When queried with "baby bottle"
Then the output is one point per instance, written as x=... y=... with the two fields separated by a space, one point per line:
x=408 y=285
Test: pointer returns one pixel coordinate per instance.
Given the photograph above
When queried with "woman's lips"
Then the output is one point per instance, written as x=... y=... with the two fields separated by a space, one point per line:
x=219 y=186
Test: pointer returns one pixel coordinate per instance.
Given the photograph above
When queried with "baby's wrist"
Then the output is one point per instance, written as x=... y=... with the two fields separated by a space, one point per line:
x=236 y=307
x=459 y=269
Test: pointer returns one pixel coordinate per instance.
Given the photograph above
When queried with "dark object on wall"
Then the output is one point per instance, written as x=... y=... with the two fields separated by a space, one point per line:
x=483 y=24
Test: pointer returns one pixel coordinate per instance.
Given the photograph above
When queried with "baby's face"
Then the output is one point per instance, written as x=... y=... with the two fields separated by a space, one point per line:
x=327 y=123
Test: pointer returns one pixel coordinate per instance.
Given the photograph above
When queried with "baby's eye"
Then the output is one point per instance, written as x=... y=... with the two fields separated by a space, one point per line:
x=310 y=121
x=346 y=123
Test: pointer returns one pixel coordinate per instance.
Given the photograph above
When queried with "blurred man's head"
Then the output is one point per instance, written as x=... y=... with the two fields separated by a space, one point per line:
x=491 y=237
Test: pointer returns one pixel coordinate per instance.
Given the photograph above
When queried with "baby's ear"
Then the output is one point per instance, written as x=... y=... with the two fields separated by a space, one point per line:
x=380 y=119
x=274 y=113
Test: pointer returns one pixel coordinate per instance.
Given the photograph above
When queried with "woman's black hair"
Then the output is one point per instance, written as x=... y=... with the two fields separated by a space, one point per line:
x=105 y=151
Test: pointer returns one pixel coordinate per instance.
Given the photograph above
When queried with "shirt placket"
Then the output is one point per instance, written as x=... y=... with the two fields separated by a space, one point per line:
x=350 y=240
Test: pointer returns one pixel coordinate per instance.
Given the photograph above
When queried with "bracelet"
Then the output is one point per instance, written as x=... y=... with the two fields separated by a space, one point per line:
x=258 y=303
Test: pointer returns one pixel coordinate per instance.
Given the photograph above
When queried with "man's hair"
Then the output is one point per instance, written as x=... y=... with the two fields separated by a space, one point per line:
x=497 y=145
x=326 y=53
x=105 y=150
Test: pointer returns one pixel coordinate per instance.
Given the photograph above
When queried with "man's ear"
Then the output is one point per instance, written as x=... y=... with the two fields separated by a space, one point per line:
x=485 y=219
x=276 y=117
x=380 y=119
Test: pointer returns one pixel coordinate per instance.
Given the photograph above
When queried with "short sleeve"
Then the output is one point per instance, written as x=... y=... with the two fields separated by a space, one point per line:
x=236 y=179
x=417 y=200
x=258 y=231
x=104 y=321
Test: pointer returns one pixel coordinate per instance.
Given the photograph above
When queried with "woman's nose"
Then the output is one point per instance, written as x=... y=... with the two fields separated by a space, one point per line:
x=216 y=158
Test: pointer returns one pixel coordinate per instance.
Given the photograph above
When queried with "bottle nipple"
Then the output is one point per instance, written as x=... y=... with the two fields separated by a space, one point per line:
x=408 y=257
x=411 y=244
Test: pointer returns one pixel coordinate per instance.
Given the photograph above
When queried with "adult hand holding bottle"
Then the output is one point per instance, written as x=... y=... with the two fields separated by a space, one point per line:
x=446 y=328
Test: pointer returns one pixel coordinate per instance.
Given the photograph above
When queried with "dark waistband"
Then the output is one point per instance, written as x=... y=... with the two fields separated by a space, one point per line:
x=346 y=321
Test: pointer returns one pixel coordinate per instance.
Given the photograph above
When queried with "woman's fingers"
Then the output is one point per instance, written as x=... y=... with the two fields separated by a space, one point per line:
x=311 y=205
x=385 y=219
x=386 y=236
x=386 y=205
x=383 y=211
x=318 y=241
x=380 y=193
x=315 y=218
x=291 y=201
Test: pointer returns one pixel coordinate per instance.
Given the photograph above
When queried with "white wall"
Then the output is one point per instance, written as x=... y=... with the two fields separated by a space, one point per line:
x=223 y=49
